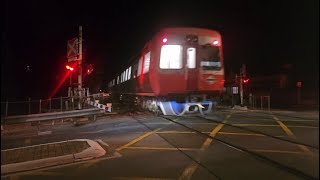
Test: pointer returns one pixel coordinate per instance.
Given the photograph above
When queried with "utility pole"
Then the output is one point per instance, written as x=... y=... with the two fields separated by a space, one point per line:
x=242 y=75
x=80 y=68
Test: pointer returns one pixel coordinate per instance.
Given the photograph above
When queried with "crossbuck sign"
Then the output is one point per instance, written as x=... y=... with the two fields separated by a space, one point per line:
x=72 y=49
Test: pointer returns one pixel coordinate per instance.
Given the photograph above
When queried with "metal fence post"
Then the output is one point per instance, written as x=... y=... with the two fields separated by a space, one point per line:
x=29 y=107
x=7 y=107
x=269 y=103
x=72 y=100
x=61 y=104
x=50 y=105
x=261 y=101
x=40 y=106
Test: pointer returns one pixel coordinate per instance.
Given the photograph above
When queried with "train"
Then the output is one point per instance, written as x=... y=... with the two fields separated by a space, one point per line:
x=180 y=70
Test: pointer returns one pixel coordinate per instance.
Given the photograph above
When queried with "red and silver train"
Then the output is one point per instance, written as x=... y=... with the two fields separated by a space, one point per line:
x=180 y=70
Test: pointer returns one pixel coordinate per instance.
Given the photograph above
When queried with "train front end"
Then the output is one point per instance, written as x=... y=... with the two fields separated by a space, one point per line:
x=190 y=70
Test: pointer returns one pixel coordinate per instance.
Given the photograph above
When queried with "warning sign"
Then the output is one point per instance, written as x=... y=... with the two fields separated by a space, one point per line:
x=235 y=90
x=72 y=49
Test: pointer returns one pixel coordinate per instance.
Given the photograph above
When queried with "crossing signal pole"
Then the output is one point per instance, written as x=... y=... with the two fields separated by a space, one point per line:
x=80 y=68
x=242 y=76
x=75 y=63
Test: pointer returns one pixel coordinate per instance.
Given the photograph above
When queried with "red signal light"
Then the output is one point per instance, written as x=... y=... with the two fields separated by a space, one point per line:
x=164 y=40
x=245 y=81
x=69 y=68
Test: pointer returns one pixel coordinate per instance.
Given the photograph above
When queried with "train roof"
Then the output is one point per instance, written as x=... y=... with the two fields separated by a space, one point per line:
x=188 y=30
x=181 y=30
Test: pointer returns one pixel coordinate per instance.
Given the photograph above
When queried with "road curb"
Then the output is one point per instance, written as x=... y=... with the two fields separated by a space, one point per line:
x=94 y=151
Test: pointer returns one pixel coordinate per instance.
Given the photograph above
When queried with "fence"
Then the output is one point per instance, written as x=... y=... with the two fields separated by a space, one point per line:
x=44 y=105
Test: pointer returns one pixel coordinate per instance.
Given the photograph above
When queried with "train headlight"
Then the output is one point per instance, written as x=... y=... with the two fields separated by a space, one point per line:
x=215 y=43
x=164 y=40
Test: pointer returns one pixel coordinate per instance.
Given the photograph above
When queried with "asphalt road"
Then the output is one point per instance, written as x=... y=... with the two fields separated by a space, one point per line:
x=224 y=145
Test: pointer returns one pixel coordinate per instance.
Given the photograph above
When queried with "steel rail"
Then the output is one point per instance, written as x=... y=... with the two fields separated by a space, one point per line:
x=181 y=151
x=252 y=154
x=258 y=132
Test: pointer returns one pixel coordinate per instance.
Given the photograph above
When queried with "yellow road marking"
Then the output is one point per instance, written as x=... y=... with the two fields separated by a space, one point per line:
x=304 y=127
x=45 y=173
x=261 y=125
x=285 y=128
x=302 y=120
x=290 y=134
x=139 y=178
x=137 y=139
x=241 y=134
x=158 y=123
x=212 y=134
x=277 y=151
x=274 y=125
x=41 y=173
x=306 y=149
x=141 y=137
x=162 y=148
x=176 y=132
x=188 y=172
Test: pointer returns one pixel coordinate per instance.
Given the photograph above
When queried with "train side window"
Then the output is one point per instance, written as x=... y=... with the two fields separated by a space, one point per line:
x=171 y=57
x=146 y=63
x=139 y=67
x=191 y=58
x=129 y=73
x=118 y=80
x=135 y=70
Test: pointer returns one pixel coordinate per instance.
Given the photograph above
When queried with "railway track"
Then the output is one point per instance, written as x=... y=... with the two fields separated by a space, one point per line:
x=198 y=159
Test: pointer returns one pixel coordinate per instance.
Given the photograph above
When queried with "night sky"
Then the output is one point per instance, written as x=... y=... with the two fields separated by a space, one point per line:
x=264 y=35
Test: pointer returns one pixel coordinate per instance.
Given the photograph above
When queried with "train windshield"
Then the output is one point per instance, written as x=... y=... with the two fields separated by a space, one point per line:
x=210 y=58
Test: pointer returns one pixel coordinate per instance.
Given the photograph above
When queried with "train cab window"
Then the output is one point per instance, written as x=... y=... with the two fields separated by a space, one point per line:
x=171 y=57
x=191 y=58
x=210 y=58
x=146 y=63
x=129 y=73
x=139 y=67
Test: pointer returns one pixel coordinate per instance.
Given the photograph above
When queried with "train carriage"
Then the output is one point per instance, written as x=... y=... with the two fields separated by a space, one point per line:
x=176 y=72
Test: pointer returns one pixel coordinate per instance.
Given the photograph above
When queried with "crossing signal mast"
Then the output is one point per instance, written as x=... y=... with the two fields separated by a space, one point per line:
x=243 y=80
x=75 y=58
